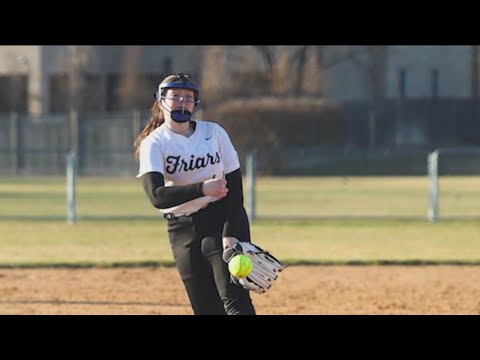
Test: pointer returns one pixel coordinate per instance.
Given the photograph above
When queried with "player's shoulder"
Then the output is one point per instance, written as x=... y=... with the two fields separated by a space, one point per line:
x=209 y=125
x=206 y=123
x=207 y=128
x=156 y=135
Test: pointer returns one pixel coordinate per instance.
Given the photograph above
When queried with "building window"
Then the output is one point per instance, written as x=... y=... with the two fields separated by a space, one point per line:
x=93 y=96
x=14 y=93
x=59 y=93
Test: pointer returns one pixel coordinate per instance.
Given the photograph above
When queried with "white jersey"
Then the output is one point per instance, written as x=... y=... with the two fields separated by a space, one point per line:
x=208 y=153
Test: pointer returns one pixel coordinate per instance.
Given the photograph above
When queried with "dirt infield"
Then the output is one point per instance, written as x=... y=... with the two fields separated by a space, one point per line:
x=299 y=290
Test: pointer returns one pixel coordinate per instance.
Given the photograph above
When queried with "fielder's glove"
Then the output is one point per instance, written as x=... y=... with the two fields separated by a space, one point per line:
x=265 y=267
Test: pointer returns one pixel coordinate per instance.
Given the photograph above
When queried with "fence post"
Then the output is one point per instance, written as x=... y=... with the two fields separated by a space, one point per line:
x=251 y=170
x=71 y=187
x=74 y=130
x=433 y=206
x=14 y=143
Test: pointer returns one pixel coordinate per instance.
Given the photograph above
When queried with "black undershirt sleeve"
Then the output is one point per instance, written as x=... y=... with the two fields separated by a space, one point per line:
x=234 y=204
x=163 y=197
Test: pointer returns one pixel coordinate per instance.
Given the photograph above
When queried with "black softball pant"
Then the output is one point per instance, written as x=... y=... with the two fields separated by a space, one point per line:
x=196 y=243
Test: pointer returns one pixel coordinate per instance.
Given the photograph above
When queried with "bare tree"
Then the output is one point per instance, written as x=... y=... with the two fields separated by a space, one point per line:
x=213 y=74
x=281 y=80
x=78 y=59
x=129 y=94
x=334 y=55
x=372 y=60
x=300 y=58
x=270 y=69
x=268 y=55
x=309 y=62
x=278 y=62
x=377 y=72
x=376 y=68
x=311 y=72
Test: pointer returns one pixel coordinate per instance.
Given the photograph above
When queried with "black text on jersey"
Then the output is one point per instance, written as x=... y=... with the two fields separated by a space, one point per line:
x=177 y=164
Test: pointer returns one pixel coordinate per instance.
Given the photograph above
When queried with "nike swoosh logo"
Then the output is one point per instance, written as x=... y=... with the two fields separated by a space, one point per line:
x=208 y=138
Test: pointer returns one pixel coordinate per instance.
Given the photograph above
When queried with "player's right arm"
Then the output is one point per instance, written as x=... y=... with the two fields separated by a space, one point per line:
x=163 y=197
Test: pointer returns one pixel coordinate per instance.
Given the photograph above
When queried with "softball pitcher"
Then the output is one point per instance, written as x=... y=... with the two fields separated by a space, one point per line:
x=190 y=171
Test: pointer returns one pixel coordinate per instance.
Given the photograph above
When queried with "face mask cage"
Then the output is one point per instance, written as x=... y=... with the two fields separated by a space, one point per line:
x=179 y=115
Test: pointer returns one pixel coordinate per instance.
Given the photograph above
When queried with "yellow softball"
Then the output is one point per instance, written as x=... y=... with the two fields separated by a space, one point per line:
x=240 y=266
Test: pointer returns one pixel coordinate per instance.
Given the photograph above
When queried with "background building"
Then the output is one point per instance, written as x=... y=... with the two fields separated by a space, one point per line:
x=95 y=99
x=36 y=79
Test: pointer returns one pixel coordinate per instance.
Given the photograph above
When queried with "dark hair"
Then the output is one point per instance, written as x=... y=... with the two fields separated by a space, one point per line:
x=156 y=119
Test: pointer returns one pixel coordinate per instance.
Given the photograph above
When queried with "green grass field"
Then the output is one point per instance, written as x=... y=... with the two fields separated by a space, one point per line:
x=302 y=220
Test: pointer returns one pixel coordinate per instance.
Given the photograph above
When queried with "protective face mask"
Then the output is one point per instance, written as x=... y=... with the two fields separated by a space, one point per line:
x=180 y=115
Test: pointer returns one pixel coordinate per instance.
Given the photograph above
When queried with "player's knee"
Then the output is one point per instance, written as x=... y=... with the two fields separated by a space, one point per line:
x=211 y=246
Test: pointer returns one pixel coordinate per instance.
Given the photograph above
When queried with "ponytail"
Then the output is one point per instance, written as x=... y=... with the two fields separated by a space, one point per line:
x=156 y=119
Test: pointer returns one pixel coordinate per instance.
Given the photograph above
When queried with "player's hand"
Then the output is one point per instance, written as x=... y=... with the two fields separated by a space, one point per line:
x=228 y=242
x=215 y=187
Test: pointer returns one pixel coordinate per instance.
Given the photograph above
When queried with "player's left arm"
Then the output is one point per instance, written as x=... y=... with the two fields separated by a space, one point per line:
x=234 y=198
x=233 y=205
